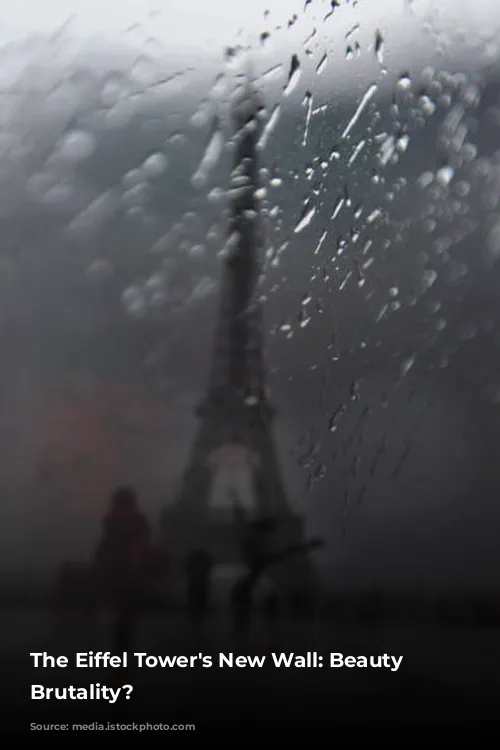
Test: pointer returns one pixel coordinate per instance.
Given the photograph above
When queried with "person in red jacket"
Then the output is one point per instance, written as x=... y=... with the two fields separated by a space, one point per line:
x=122 y=562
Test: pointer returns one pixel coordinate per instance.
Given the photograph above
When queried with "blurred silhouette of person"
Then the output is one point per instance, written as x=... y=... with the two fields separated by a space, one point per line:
x=123 y=562
x=199 y=566
x=258 y=557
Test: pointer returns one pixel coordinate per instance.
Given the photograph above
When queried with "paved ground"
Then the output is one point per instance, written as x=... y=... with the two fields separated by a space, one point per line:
x=448 y=675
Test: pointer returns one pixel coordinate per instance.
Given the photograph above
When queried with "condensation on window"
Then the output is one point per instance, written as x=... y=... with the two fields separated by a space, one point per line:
x=378 y=190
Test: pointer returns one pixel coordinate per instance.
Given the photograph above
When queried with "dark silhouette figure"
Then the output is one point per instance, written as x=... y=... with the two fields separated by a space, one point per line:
x=199 y=565
x=258 y=559
x=122 y=563
x=255 y=558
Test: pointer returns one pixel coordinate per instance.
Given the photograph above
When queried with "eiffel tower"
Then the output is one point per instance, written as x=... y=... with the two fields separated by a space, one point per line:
x=233 y=459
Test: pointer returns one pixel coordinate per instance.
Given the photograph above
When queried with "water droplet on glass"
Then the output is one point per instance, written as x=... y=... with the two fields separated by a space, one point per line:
x=136 y=213
x=322 y=64
x=197 y=251
x=155 y=165
x=357 y=150
x=96 y=214
x=334 y=420
x=468 y=153
x=48 y=189
x=402 y=143
x=304 y=319
x=202 y=115
x=155 y=283
x=404 y=82
x=407 y=365
x=134 y=301
x=444 y=176
x=114 y=88
x=462 y=188
x=427 y=105
x=365 y=99
x=379 y=47
x=205 y=287
x=293 y=76
x=320 y=472
x=428 y=278
x=306 y=218
x=354 y=390
x=338 y=207
x=375 y=214
x=216 y=195
x=137 y=195
x=308 y=101
x=132 y=178
x=100 y=269
x=177 y=139
x=121 y=114
x=210 y=156
x=386 y=150
x=269 y=126
x=425 y=179
x=76 y=146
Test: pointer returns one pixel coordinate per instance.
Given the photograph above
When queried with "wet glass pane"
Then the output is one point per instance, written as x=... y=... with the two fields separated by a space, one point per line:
x=364 y=391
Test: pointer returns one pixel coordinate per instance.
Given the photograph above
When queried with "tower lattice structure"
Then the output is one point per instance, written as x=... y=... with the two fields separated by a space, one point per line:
x=235 y=419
